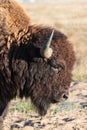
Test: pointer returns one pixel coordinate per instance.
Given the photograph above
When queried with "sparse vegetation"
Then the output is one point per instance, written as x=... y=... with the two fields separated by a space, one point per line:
x=22 y=106
x=66 y=107
x=27 y=107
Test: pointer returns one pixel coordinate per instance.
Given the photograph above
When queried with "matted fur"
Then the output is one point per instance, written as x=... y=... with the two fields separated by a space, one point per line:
x=25 y=73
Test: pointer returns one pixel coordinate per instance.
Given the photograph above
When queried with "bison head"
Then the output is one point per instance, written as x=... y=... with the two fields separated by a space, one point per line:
x=47 y=77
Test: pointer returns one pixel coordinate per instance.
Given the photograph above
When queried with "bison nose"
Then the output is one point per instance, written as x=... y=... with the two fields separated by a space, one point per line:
x=65 y=96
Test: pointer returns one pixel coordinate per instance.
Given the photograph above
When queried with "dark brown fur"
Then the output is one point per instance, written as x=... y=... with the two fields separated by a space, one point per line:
x=25 y=73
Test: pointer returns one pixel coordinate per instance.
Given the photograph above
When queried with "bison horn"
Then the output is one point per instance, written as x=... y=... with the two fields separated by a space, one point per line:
x=45 y=50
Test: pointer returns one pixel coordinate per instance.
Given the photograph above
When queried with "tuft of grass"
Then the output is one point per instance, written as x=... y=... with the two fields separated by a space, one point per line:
x=23 y=106
x=66 y=107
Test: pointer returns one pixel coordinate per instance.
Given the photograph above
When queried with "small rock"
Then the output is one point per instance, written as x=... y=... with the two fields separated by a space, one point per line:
x=46 y=128
x=15 y=129
x=28 y=128
x=44 y=121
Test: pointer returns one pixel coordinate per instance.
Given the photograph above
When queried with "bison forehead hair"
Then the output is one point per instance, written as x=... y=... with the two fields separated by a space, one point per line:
x=29 y=74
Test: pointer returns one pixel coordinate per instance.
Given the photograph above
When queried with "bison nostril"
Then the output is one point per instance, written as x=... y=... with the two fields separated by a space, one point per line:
x=65 y=96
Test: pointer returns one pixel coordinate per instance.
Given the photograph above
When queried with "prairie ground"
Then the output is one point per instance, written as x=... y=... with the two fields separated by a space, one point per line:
x=70 y=19
x=69 y=115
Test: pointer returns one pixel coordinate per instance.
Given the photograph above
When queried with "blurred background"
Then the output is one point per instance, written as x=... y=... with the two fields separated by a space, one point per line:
x=62 y=1
x=69 y=17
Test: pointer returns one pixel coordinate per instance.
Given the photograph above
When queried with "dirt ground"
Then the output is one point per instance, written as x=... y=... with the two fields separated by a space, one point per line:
x=70 y=115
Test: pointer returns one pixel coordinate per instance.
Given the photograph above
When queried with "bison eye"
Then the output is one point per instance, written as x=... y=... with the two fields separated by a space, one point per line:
x=57 y=65
x=53 y=64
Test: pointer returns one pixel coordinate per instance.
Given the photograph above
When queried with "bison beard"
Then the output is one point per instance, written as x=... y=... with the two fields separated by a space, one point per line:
x=25 y=73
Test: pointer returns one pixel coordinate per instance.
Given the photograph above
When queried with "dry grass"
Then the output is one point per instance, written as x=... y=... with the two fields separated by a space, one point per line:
x=71 y=20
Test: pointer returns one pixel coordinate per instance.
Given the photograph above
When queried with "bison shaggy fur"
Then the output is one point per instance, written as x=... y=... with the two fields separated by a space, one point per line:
x=25 y=73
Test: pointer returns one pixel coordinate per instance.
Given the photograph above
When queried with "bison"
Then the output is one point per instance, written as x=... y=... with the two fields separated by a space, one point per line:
x=36 y=61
